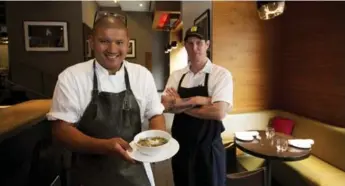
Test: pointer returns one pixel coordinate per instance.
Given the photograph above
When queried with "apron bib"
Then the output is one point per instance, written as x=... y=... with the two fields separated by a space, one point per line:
x=109 y=115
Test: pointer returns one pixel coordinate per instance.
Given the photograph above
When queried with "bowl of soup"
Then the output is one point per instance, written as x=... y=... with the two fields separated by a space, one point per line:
x=151 y=142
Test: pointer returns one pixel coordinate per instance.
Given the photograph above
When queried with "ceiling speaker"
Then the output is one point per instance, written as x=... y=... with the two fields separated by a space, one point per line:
x=270 y=9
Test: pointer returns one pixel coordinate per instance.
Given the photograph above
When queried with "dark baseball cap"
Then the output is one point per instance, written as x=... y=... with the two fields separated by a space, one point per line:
x=195 y=31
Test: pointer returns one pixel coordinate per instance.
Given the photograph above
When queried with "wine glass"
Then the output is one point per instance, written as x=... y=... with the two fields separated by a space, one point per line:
x=270 y=132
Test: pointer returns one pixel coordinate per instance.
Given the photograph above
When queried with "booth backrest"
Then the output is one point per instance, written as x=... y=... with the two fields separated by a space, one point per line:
x=329 y=140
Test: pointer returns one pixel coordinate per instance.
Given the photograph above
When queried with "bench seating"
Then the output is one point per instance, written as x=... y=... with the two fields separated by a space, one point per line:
x=326 y=165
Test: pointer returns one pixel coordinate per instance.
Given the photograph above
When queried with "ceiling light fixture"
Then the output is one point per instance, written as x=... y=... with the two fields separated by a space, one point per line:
x=115 y=1
x=141 y=4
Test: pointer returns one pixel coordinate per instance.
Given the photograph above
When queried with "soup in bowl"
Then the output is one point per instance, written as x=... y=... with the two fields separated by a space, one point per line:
x=151 y=142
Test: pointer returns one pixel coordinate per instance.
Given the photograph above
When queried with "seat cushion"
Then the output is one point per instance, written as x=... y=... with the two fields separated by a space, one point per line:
x=250 y=162
x=329 y=140
x=312 y=170
x=283 y=125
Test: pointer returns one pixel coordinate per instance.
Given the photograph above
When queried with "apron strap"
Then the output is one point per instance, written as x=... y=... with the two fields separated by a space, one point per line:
x=206 y=79
x=95 y=81
x=179 y=84
x=126 y=104
x=128 y=85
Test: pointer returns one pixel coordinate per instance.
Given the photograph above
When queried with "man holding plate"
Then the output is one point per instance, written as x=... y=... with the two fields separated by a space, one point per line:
x=99 y=106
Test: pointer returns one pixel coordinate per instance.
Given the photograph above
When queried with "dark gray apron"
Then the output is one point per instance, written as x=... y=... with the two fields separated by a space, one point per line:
x=201 y=158
x=109 y=115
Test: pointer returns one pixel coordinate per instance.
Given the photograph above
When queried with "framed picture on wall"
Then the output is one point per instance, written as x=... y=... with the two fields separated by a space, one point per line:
x=45 y=36
x=204 y=22
x=131 y=49
x=88 y=53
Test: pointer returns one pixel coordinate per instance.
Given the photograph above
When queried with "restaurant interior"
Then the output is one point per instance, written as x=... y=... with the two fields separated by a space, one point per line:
x=287 y=60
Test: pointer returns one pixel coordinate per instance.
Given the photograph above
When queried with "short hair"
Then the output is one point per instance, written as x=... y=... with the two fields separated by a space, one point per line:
x=109 y=21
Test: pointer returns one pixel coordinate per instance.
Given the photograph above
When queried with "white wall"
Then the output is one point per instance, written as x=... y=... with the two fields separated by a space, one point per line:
x=178 y=56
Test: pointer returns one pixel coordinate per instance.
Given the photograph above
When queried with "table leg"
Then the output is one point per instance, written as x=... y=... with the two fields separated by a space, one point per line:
x=268 y=169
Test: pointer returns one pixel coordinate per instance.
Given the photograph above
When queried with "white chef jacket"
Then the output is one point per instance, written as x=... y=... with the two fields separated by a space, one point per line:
x=72 y=93
x=220 y=83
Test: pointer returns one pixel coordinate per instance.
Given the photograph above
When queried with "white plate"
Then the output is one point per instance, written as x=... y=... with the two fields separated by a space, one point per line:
x=244 y=136
x=300 y=144
x=165 y=154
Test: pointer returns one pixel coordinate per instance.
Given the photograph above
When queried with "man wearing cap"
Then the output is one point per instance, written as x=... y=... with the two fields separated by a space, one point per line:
x=208 y=88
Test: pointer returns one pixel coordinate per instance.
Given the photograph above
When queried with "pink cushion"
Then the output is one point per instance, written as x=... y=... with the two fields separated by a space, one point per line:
x=283 y=125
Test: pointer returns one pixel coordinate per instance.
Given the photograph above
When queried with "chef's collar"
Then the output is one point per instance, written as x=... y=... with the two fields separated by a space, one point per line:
x=207 y=68
x=105 y=72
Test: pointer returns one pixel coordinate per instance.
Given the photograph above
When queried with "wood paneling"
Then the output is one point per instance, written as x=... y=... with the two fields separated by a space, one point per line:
x=246 y=46
x=313 y=61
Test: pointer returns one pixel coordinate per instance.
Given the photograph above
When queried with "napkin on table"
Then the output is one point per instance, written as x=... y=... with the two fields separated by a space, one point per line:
x=302 y=141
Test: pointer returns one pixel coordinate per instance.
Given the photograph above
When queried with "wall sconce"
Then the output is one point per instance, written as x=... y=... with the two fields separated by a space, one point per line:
x=173 y=44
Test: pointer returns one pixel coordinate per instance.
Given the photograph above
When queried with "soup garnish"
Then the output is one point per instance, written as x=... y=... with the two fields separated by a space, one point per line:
x=152 y=141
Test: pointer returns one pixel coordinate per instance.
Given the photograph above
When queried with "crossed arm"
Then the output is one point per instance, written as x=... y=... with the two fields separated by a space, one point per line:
x=206 y=110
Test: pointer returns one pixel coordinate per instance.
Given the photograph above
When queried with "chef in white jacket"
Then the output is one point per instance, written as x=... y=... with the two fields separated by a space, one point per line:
x=100 y=105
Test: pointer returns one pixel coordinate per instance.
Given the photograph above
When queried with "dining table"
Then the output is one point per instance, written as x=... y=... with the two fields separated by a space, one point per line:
x=265 y=147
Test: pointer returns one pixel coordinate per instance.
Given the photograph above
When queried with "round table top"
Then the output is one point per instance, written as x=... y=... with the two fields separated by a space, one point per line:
x=264 y=148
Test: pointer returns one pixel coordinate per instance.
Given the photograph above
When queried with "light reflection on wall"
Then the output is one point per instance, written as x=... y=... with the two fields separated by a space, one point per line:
x=178 y=55
x=178 y=58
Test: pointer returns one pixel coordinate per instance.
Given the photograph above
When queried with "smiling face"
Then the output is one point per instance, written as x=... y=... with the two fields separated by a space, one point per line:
x=110 y=43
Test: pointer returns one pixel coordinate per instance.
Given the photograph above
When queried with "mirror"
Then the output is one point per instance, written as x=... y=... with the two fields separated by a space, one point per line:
x=270 y=9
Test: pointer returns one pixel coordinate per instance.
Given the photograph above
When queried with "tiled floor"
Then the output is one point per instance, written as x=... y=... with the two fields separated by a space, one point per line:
x=162 y=173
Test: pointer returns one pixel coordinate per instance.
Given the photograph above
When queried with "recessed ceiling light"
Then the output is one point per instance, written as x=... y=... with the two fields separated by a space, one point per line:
x=140 y=4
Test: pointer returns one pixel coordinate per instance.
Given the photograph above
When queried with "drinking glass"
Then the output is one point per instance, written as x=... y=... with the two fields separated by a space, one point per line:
x=278 y=144
x=270 y=132
x=282 y=144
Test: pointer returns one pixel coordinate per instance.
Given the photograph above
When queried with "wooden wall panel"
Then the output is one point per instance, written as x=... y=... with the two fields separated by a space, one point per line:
x=313 y=61
x=246 y=45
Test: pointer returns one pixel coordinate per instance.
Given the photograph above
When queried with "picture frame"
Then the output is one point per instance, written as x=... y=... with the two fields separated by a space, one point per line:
x=88 y=52
x=49 y=36
x=204 y=22
x=131 y=49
